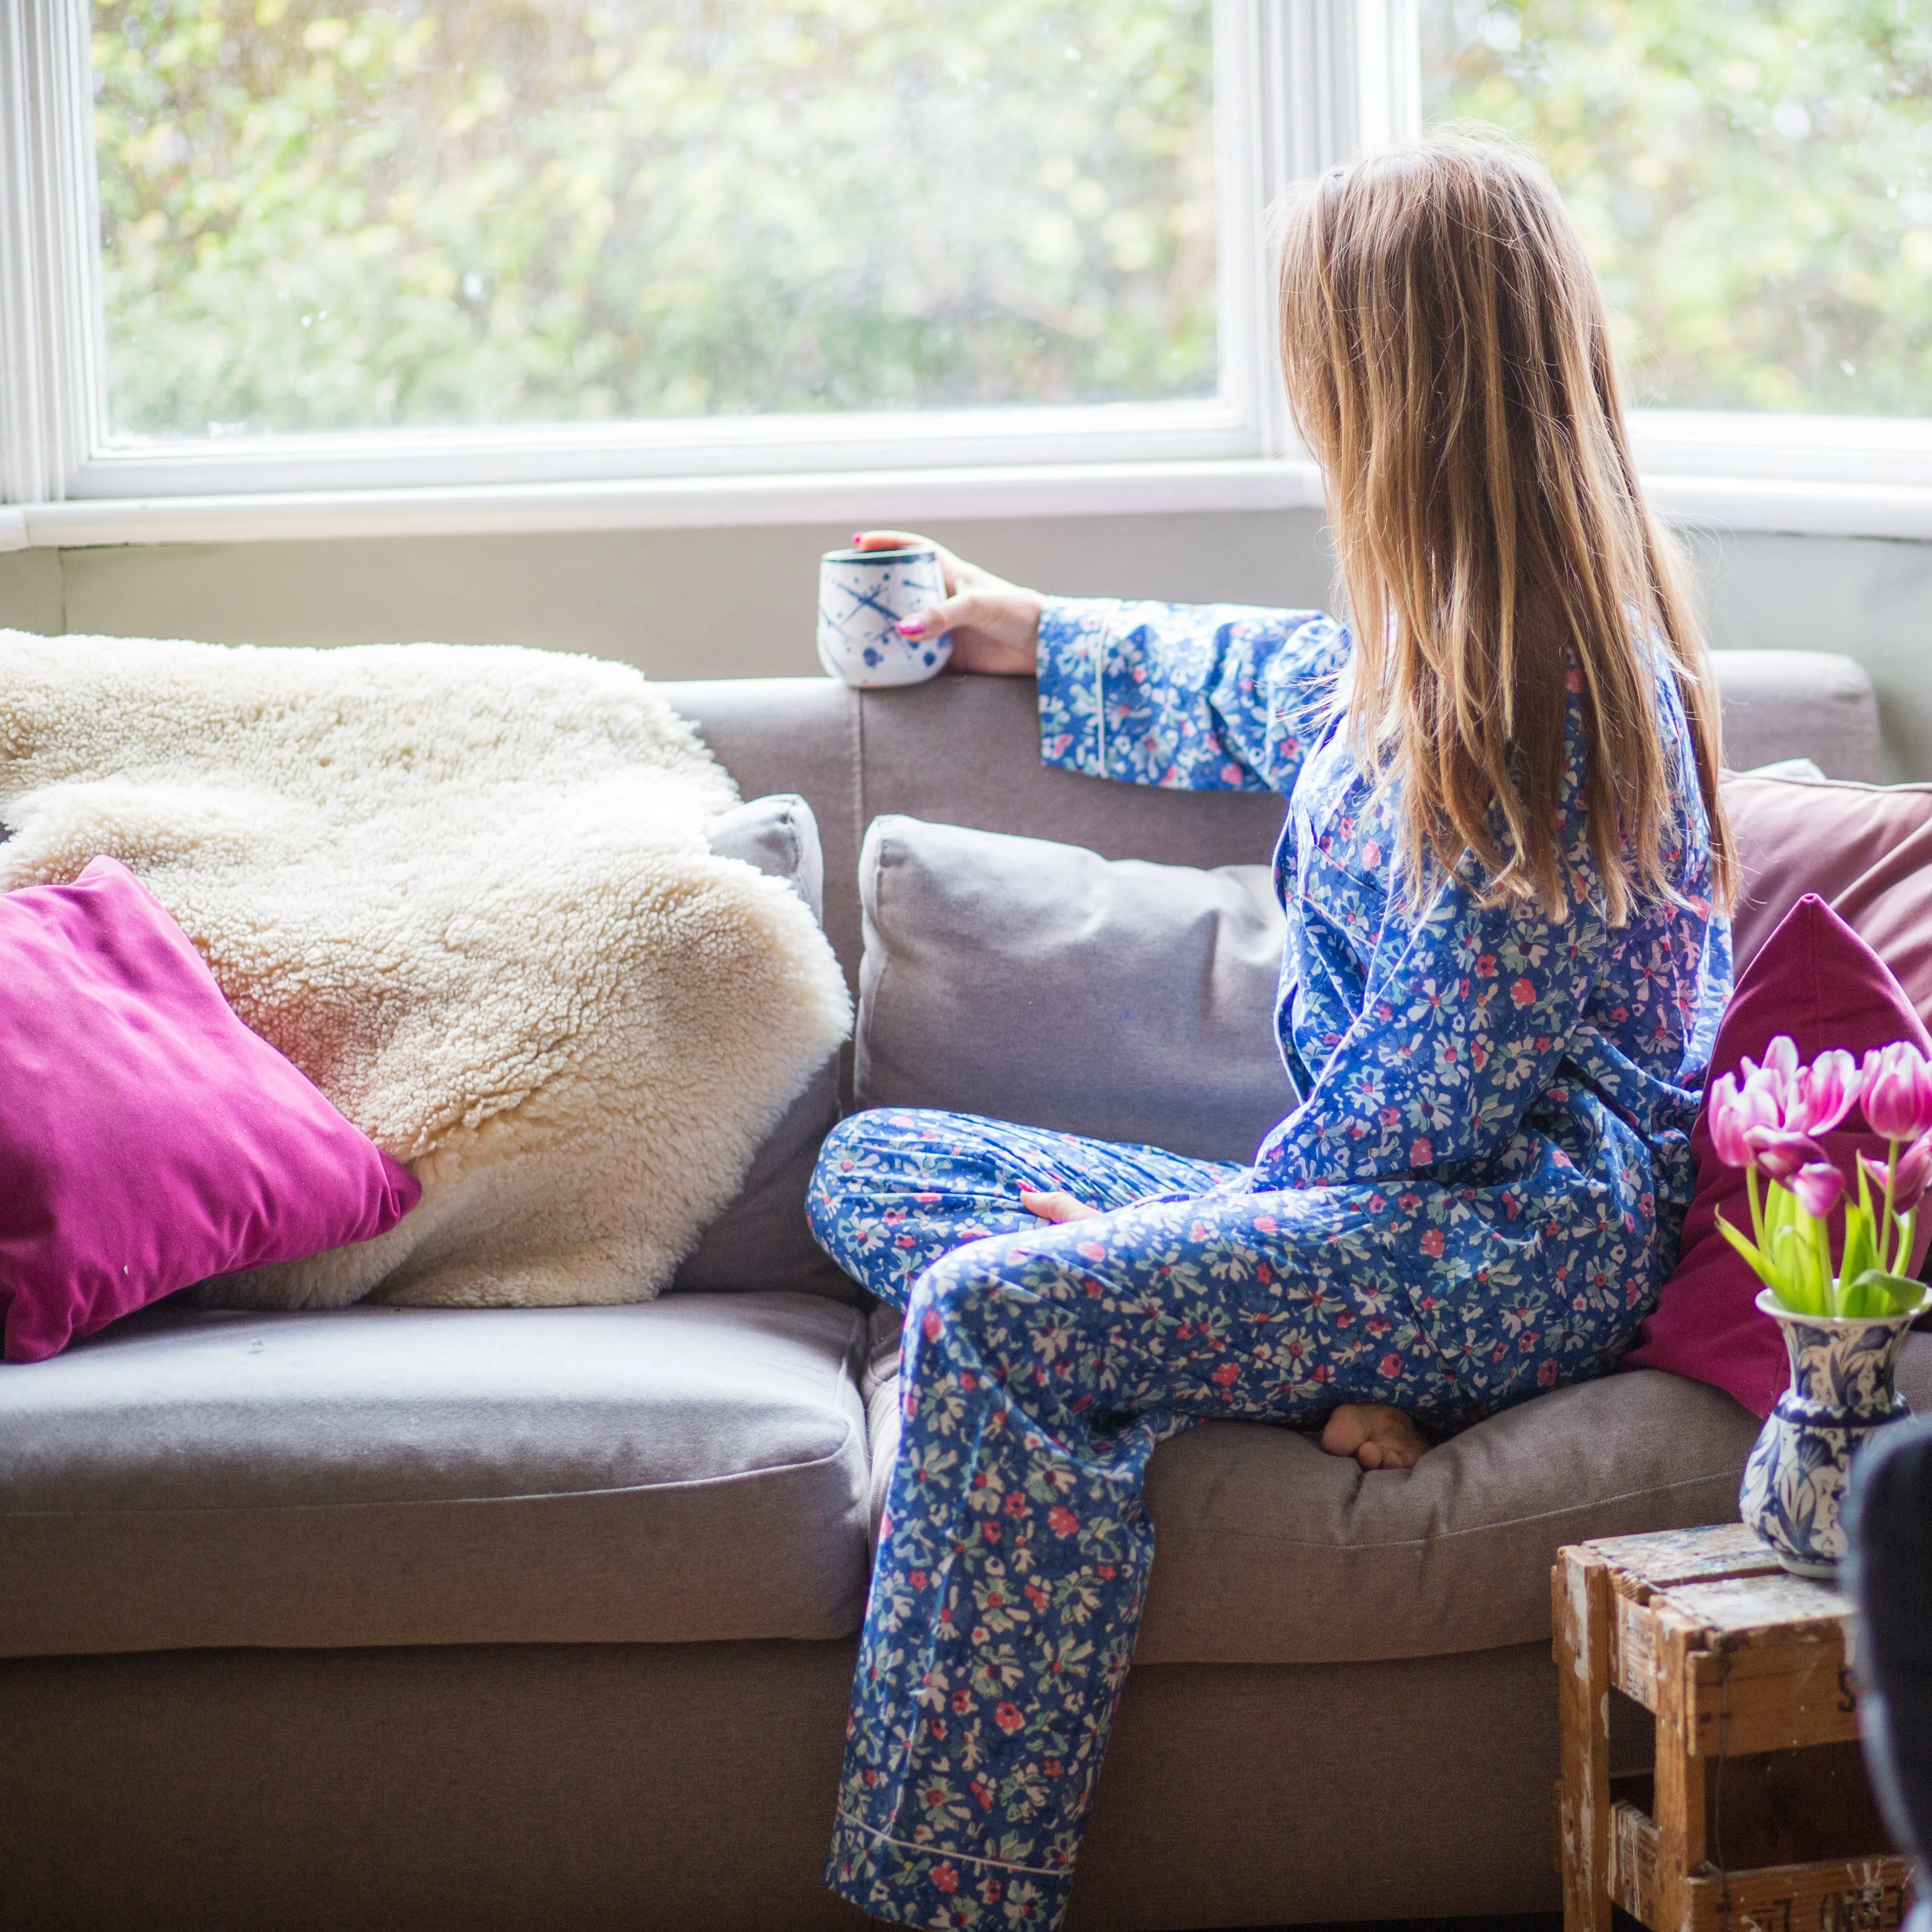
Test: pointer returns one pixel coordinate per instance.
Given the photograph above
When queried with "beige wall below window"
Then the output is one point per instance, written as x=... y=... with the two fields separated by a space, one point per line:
x=738 y=603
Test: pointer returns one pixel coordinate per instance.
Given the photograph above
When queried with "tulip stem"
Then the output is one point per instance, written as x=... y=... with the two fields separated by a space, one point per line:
x=1891 y=1185
x=1821 y=1251
x=1756 y=1206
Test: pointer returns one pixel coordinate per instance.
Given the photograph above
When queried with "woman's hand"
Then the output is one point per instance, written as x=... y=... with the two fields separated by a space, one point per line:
x=1056 y=1206
x=995 y=624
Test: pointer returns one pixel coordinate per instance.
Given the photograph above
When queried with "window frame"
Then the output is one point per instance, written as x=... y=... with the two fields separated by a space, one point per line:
x=1299 y=85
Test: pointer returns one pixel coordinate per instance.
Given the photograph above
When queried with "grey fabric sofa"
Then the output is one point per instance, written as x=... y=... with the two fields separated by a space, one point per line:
x=428 y=1619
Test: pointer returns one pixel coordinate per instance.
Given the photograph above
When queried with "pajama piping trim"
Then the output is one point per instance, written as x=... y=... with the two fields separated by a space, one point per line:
x=872 y=1832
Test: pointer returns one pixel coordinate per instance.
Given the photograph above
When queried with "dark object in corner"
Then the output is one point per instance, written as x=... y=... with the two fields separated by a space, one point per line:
x=1890 y=1575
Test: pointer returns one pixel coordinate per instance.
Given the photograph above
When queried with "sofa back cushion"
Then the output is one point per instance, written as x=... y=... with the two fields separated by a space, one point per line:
x=1799 y=704
x=761 y=1239
x=1865 y=850
x=1038 y=981
x=965 y=750
x=1041 y=982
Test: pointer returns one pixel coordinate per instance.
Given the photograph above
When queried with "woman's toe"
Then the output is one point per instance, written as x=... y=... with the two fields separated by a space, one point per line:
x=1344 y=1434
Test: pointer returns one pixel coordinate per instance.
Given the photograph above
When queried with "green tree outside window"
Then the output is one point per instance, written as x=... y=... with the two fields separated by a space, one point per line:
x=497 y=212
x=1753 y=179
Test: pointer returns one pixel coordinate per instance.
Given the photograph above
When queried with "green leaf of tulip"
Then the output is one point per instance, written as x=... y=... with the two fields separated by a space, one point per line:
x=1753 y=1256
x=1876 y=1294
x=1861 y=1254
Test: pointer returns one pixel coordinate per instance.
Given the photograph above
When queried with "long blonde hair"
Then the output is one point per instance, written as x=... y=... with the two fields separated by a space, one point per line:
x=1448 y=362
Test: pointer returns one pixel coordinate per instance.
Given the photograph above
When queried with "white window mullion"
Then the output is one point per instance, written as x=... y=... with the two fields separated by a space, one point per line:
x=1349 y=79
x=1330 y=78
x=1314 y=119
x=1246 y=120
x=1387 y=90
x=49 y=312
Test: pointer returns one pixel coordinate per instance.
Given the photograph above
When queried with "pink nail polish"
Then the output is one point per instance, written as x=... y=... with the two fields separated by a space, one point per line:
x=911 y=627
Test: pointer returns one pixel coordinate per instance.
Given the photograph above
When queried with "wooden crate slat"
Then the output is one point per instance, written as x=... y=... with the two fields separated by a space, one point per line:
x=1667 y=1556
x=1770 y=1697
x=1580 y=1604
x=1870 y=1894
x=1678 y=1778
x=1633 y=1649
x=1737 y=1605
x=1633 y=1854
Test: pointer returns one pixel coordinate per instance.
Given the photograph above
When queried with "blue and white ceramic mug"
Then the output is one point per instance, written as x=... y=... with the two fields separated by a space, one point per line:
x=863 y=597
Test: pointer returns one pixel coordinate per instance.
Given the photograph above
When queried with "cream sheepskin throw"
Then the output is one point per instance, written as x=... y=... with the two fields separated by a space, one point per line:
x=467 y=891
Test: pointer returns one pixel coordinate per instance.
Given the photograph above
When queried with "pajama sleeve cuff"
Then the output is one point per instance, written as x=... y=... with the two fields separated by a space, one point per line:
x=1074 y=634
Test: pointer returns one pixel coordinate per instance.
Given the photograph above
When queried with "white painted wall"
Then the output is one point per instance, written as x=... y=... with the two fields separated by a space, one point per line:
x=724 y=603
x=1870 y=598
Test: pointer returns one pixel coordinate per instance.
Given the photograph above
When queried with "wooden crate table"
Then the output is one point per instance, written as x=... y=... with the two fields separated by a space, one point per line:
x=1756 y=1817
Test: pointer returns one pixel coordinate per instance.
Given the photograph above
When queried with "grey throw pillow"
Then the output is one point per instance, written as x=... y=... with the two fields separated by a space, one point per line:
x=761 y=1239
x=1040 y=982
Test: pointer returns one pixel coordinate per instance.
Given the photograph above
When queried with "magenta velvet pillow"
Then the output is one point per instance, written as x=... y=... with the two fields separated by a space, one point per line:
x=1815 y=979
x=148 y=1139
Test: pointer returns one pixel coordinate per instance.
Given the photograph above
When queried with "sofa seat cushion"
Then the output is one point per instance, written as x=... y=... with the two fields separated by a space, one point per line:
x=695 y=1467
x=1271 y=1552
x=1267 y=1551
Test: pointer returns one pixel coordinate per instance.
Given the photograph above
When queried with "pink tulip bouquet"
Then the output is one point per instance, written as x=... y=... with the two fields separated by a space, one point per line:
x=1767 y=1124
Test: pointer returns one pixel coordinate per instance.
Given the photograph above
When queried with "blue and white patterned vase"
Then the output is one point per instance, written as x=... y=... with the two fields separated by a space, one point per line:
x=1842 y=1389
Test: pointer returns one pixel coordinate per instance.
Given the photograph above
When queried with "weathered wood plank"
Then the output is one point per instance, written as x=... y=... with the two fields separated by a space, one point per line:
x=1633 y=1649
x=1679 y=1775
x=1737 y=1606
x=1667 y=1556
x=1580 y=1606
x=1770 y=1696
x=1633 y=1852
x=1870 y=1894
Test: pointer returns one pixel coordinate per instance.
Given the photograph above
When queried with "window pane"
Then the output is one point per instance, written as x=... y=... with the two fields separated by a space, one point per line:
x=1753 y=179
x=485 y=211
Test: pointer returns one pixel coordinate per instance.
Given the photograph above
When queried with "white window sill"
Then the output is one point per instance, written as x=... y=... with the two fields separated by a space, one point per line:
x=1809 y=507
x=1794 y=506
x=884 y=496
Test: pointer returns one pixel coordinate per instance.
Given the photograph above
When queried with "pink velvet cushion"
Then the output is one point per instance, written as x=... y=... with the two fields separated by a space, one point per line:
x=1815 y=979
x=1866 y=850
x=148 y=1139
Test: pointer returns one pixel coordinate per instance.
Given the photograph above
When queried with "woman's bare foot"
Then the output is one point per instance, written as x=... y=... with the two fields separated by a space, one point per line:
x=1377 y=1436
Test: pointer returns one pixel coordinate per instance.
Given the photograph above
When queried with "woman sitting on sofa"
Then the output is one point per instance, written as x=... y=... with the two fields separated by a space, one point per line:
x=1505 y=868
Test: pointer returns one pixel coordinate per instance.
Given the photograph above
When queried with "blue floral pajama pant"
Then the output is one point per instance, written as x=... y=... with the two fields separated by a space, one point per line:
x=1040 y=1365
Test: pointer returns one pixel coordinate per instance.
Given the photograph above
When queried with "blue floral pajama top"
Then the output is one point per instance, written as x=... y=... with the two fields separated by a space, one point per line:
x=1463 y=1043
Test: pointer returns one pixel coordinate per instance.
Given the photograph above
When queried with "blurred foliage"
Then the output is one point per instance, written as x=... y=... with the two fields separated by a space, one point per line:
x=1753 y=179
x=479 y=211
